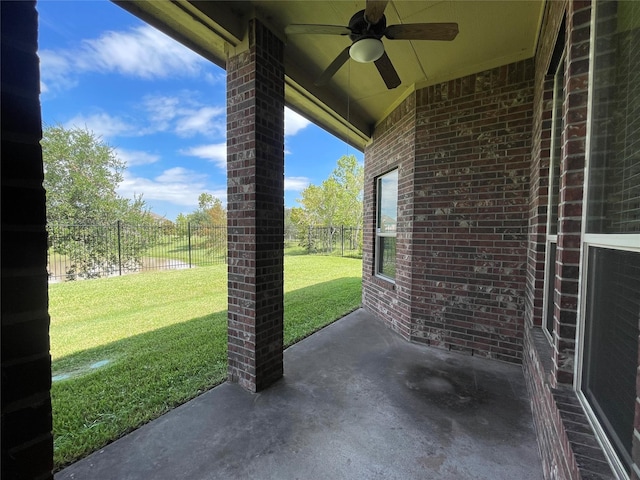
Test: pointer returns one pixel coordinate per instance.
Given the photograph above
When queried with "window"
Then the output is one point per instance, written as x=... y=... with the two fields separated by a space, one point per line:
x=386 y=225
x=554 y=192
x=611 y=343
x=611 y=287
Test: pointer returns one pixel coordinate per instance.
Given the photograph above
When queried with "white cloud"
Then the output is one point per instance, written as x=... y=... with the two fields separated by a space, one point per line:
x=293 y=122
x=161 y=110
x=180 y=175
x=215 y=152
x=56 y=71
x=102 y=124
x=136 y=157
x=215 y=78
x=181 y=115
x=202 y=120
x=176 y=185
x=296 y=184
x=141 y=52
x=184 y=115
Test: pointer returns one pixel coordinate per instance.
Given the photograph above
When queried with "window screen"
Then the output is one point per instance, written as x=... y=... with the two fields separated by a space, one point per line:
x=611 y=342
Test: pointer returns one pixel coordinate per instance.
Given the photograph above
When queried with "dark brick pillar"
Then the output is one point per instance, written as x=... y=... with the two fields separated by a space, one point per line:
x=27 y=443
x=255 y=204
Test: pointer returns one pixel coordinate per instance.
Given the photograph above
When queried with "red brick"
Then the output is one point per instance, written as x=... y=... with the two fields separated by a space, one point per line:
x=255 y=102
x=461 y=195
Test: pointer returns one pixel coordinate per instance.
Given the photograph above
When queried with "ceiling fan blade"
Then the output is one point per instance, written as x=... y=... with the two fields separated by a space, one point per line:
x=387 y=71
x=422 y=31
x=333 y=68
x=317 y=29
x=374 y=10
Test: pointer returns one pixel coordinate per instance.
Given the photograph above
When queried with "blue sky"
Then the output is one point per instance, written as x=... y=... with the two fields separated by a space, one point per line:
x=159 y=105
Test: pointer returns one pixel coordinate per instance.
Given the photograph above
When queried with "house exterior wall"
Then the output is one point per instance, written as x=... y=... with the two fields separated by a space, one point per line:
x=557 y=456
x=480 y=168
x=462 y=150
x=393 y=147
x=27 y=442
x=566 y=440
x=472 y=167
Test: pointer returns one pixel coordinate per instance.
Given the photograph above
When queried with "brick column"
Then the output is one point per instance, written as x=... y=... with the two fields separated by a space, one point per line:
x=27 y=443
x=255 y=210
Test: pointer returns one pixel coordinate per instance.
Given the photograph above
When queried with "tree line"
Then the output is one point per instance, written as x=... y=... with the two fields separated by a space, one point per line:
x=81 y=177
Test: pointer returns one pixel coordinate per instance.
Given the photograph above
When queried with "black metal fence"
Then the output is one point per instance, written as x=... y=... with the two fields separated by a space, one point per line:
x=92 y=251
x=340 y=240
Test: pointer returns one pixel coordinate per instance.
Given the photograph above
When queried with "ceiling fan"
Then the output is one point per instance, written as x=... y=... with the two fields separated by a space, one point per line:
x=366 y=29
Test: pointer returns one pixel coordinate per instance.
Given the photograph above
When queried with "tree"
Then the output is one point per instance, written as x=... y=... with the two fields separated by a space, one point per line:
x=336 y=202
x=210 y=212
x=208 y=225
x=81 y=177
x=181 y=224
x=289 y=226
x=349 y=175
x=212 y=207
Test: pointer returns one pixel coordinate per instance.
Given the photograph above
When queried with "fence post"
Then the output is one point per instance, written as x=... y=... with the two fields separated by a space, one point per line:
x=189 y=237
x=119 y=250
x=342 y=238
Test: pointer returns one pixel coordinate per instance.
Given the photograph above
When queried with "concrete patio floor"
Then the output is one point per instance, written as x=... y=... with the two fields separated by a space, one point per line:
x=356 y=402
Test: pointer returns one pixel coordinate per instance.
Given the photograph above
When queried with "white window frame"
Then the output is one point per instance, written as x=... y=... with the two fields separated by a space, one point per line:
x=626 y=242
x=379 y=232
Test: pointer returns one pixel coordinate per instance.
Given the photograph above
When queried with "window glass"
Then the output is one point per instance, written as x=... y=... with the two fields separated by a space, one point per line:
x=388 y=202
x=386 y=224
x=614 y=188
x=611 y=342
x=612 y=242
x=387 y=257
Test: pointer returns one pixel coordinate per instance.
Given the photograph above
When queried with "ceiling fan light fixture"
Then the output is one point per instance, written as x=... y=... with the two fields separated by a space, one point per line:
x=366 y=50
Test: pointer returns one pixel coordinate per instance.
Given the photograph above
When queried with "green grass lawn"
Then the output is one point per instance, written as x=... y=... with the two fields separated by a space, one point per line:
x=127 y=349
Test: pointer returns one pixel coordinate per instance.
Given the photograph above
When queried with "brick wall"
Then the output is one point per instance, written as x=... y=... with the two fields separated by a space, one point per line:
x=462 y=149
x=27 y=443
x=557 y=459
x=472 y=181
x=393 y=147
x=255 y=210
x=571 y=190
x=567 y=443
x=538 y=201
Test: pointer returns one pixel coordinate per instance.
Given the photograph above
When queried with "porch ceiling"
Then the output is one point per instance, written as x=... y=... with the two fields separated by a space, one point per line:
x=492 y=33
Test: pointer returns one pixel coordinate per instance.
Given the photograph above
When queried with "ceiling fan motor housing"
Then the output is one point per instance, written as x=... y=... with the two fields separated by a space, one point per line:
x=360 y=28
